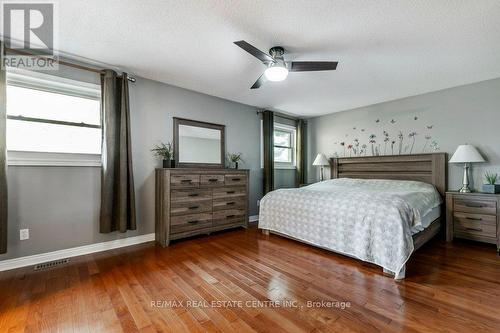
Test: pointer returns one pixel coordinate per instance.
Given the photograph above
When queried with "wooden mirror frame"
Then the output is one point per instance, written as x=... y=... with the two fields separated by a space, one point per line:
x=195 y=123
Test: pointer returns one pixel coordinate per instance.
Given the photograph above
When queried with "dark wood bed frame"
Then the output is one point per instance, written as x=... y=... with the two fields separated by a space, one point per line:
x=428 y=168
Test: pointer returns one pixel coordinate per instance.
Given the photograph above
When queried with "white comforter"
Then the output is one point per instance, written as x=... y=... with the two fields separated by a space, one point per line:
x=368 y=219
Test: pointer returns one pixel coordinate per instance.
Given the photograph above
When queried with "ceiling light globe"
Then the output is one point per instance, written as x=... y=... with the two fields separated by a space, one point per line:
x=276 y=73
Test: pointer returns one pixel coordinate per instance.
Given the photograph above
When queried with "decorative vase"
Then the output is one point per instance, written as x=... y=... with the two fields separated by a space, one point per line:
x=491 y=188
x=172 y=163
x=236 y=165
x=166 y=163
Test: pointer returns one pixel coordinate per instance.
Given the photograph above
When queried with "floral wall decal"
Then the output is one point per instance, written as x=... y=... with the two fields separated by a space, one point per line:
x=372 y=142
x=388 y=145
x=400 y=139
x=412 y=136
x=386 y=141
x=427 y=139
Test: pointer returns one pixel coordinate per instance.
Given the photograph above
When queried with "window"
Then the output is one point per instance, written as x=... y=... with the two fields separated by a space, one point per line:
x=48 y=114
x=284 y=146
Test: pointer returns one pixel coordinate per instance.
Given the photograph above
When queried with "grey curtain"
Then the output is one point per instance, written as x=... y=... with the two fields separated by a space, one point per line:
x=3 y=156
x=301 y=152
x=268 y=129
x=117 y=181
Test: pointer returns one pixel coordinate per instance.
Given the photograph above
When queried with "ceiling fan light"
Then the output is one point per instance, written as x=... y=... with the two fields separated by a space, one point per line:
x=276 y=73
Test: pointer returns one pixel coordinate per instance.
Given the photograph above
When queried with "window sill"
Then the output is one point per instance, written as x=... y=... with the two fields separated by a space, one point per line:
x=285 y=167
x=23 y=158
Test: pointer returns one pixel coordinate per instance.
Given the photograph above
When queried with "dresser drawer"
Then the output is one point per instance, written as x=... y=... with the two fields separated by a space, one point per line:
x=474 y=224
x=184 y=181
x=211 y=180
x=229 y=216
x=190 y=207
x=229 y=192
x=229 y=203
x=190 y=195
x=475 y=206
x=190 y=222
x=232 y=180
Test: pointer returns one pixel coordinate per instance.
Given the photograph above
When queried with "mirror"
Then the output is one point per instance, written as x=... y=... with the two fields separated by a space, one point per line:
x=198 y=144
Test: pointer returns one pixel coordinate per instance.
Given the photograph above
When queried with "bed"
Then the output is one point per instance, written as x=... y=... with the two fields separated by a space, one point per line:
x=377 y=209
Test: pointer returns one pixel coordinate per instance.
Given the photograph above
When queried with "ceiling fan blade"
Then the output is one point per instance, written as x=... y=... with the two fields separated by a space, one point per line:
x=309 y=66
x=260 y=81
x=264 y=57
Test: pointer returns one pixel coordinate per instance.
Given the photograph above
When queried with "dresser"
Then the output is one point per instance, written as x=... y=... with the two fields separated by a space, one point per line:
x=199 y=201
x=474 y=216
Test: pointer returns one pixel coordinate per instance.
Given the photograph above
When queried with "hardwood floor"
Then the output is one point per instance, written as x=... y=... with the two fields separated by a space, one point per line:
x=449 y=288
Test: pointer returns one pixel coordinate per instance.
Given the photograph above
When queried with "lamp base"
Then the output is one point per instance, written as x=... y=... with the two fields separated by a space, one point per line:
x=465 y=190
x=465 y=183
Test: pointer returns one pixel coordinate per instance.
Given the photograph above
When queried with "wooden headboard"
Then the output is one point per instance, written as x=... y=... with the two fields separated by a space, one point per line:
x=428 y=168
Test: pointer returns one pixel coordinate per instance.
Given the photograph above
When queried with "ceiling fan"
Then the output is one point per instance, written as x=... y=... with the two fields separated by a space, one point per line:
x=277 y=68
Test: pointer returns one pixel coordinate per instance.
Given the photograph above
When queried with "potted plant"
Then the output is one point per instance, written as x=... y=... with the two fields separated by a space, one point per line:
x=165 y=151
x=491 y=186
x=235 y=158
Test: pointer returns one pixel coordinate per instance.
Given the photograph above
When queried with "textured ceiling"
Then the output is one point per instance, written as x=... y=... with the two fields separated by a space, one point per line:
x=386 y=49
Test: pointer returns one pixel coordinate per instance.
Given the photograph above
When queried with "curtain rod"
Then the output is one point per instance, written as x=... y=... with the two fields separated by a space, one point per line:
x=281 y=115
x=66 y=63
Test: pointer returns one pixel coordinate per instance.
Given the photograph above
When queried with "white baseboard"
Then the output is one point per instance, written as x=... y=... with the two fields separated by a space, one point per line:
x=73 y=252
x=253 y=218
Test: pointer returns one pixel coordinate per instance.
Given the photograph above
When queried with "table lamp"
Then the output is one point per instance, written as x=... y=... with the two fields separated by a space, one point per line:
x=466 y=154
x=321 y=160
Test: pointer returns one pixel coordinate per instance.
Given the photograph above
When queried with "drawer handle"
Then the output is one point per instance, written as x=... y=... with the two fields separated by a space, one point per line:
x=474 y=229
x=194 y=207
x=213 y=180
x=230 y=192
x=186 y=180
x=193 y=195
x=230 y=203
x=230 y=216
x=236 y=179
x=474 y=218
x=193 y=222
x=474 y=206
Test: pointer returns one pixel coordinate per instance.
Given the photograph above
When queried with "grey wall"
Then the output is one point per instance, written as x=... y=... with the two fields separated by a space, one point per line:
x=466 y=114
x=60 y=205
x=284 y=178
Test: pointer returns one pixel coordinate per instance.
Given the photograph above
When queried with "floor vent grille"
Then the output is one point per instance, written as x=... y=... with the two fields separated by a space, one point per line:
x=51 y=264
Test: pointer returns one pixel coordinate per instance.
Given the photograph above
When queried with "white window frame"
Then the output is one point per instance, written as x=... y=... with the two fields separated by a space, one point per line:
x=55 y=84
x=293 y=133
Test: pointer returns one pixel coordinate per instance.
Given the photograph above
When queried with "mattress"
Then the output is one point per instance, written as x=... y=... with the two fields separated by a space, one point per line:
x=370 y=219
x=426 y=220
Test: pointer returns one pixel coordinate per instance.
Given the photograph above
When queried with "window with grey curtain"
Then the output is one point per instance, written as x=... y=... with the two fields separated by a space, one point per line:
x=268 y=134
x=3 y=155
x=117 y=181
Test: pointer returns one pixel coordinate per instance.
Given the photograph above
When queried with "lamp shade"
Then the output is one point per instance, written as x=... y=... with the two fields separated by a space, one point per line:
x=321 y=160
x=466 y=154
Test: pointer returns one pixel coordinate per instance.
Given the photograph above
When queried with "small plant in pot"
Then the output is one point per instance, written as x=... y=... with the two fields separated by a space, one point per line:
x=491 y=186
x=235 y=159
x=165 y=151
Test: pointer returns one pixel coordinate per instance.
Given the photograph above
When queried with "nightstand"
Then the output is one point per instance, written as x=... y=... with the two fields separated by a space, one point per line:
x=474 y=216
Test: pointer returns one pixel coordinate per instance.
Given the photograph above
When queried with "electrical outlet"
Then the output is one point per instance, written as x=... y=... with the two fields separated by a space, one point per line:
x=24 y=234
